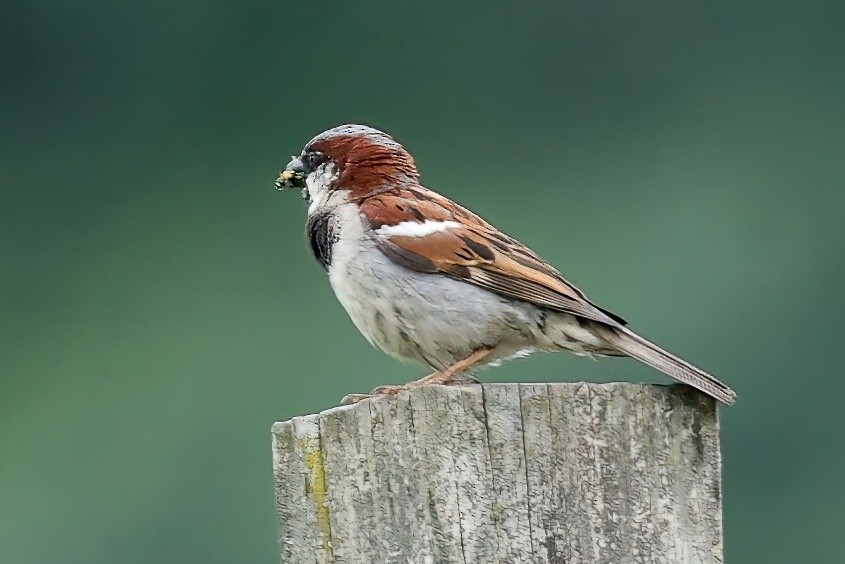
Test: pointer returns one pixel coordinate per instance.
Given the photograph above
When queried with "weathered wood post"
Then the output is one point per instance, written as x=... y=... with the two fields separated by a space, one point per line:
x=593 y=473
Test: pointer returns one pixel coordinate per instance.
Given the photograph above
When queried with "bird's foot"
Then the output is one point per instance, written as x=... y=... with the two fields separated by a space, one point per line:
x=454 y=375
x=463 y=380
x=380 y=391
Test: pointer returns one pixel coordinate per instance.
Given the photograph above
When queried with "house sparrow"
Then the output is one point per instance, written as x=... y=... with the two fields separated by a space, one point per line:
x=428 y=280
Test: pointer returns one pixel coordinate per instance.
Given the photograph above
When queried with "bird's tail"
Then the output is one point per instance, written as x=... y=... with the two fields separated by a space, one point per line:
x=645 y=351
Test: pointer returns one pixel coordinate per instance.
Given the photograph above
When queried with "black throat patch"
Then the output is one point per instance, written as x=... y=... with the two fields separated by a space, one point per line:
x=321 y=237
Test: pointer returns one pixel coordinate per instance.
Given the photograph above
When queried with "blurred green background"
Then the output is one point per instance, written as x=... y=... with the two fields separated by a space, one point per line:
x=681 y=162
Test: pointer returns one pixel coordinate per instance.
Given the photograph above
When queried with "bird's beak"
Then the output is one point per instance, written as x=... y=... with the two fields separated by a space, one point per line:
x=293 y=176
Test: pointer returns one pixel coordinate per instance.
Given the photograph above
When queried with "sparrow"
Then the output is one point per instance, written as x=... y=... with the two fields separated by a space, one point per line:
x=425 y=279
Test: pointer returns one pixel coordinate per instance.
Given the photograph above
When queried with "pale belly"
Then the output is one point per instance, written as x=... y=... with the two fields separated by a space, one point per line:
x=424 y=317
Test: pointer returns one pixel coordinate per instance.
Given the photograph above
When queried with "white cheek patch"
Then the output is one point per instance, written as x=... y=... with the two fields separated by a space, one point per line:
x=416 y=228
x=318 y=185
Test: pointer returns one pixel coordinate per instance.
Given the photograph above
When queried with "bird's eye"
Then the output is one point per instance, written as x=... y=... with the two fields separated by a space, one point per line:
x=312 y=160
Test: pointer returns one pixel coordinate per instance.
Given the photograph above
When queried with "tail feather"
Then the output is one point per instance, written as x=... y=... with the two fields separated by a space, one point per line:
x=645 y=351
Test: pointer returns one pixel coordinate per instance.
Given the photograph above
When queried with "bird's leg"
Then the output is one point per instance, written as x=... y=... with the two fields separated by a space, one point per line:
x=449 y=375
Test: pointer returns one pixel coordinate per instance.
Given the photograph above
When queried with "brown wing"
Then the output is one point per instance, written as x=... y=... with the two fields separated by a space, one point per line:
x=476 y=252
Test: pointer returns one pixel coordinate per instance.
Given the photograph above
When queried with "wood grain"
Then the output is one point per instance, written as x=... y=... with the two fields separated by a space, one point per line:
x=504 y=473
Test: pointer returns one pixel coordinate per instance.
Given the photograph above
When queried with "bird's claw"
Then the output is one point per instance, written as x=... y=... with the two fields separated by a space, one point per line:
x=349 y=399
x=387 y=390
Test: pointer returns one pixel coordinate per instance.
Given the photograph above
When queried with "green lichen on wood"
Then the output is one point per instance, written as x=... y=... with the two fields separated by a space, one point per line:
x=315 y=463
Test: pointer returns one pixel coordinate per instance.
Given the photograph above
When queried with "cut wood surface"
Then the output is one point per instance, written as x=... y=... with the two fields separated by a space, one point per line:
x=598 y=473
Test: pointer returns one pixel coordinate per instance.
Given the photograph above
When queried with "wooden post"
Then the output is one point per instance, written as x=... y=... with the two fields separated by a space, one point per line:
x=592 y=473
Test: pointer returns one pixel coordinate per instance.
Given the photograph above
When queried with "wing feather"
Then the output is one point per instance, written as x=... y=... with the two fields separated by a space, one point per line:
x=476 y=253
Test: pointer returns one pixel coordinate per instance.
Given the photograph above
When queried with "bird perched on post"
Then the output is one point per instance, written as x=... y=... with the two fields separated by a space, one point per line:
x=428 y=280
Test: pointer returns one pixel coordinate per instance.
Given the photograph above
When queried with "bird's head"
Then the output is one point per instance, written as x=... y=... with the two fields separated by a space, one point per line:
x=354 y=158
